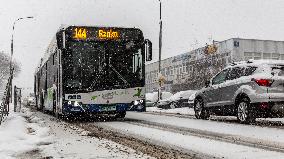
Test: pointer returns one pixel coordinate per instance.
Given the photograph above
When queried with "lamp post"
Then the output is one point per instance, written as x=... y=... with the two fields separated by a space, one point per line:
x=160 y=36
x=160 y=51
x=12 y=51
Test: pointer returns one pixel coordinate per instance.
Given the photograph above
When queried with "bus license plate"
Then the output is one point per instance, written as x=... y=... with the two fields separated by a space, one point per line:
x=109 y=108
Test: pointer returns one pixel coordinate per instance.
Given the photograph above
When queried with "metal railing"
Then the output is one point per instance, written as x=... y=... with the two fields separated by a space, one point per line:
x=4 y=107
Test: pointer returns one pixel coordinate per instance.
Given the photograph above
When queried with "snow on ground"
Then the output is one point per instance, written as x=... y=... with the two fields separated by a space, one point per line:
x=249 y=131
x=192 y=143
x=72 y=142
x=18 y=136
x=184 y=110
x=190 y=111
x=36 y=135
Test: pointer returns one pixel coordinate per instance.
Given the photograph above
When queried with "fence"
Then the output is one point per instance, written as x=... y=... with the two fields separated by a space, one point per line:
x=6 y=96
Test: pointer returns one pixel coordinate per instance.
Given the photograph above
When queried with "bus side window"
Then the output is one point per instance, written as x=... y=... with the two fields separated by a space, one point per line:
x=53 y=58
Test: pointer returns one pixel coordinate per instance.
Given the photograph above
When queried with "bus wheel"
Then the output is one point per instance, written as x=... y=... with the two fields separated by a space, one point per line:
x=121 y=114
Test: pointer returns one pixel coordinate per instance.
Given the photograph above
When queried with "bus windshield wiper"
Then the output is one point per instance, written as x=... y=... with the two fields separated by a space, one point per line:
x=119 y=75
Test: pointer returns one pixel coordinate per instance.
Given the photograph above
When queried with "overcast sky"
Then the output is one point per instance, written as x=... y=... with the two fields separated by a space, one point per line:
x=187 y=24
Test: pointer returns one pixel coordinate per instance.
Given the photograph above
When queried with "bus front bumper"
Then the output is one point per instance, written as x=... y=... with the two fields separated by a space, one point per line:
x=95 y=108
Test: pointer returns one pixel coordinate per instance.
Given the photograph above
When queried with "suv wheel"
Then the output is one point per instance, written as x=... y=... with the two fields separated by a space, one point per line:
x=200 y=111
x=244 y=113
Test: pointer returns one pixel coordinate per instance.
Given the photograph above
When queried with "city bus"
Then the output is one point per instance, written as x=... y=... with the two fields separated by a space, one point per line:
x=89 y=70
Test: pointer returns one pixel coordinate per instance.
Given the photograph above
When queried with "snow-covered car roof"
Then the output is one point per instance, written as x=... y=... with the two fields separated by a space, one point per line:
x=192 y=96
x=255 y=63
x=263 y=70
x=183 y=94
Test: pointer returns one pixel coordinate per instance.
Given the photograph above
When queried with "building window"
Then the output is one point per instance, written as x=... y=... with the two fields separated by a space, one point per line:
x=257 y=55
x=172 y=70
x=175 y=70
x=184 y=68
x=252 y=55
x=282 y=56
x=167 y=71
x=266 y=55
x=236 y=43
x=163 y=72
x=275 y=56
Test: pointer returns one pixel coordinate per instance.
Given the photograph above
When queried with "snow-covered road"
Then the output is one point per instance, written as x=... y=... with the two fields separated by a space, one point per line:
x=219 y=139
x=139 y=135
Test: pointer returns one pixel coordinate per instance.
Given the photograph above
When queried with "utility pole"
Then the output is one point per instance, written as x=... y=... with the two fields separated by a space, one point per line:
x=160 y=50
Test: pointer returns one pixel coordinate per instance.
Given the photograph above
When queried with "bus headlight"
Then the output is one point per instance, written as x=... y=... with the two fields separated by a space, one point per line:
x=74 y=103
x=77 y=104
x=138 y=102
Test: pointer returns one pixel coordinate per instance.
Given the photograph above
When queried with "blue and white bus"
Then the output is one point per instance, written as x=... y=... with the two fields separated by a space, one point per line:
x=92 y=70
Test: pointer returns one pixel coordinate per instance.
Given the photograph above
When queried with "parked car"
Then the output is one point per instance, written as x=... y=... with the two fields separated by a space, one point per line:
x=191 y=100
x=247 y=90
x=151 y=101
x=163 y=104
x=152 y=98
x=178 y=100
x=137 y=105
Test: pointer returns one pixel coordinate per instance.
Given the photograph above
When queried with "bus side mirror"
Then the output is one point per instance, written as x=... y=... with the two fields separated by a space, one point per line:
x=148 y=49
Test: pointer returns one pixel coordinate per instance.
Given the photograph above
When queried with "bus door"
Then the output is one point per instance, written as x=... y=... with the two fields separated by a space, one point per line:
x=59 y=83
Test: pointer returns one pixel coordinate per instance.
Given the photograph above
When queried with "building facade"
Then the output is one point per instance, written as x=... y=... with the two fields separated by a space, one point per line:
x=190 y=70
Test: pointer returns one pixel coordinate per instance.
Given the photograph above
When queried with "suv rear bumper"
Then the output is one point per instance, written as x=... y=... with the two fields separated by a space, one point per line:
x=266 y=97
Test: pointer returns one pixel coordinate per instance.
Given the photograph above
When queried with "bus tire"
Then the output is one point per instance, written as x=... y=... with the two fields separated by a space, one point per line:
x=121 y=114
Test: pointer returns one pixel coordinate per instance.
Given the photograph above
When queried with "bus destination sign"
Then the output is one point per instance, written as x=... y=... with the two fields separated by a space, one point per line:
x=108 y=34
x=101 y=33
x=80 y=33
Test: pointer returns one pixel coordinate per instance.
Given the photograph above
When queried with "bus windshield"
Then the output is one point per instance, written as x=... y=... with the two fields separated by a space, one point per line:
x=92 y=66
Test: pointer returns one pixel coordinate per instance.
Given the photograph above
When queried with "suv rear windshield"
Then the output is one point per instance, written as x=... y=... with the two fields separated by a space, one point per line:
x=249 y=70
x=237 y=72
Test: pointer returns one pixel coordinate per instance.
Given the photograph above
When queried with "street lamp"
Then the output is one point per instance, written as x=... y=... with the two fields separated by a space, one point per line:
x=12 y=47
x=160 y=50
x=12 y=51
x=160 y=36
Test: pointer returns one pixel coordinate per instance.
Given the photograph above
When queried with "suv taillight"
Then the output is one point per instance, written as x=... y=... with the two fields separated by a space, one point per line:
x=263 y=82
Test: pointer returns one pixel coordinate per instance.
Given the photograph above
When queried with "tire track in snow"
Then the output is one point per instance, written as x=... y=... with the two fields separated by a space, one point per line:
x=234 y=139
x=145 y=146
x=224 y=119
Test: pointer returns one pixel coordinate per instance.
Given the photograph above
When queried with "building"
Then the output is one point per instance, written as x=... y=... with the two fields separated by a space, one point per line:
x=190 y=70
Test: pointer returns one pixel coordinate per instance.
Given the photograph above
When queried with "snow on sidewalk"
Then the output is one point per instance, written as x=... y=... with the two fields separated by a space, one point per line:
x=17 y=135
x=36 y=135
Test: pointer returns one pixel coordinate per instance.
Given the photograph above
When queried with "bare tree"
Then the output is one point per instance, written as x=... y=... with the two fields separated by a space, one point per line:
x=5 y=67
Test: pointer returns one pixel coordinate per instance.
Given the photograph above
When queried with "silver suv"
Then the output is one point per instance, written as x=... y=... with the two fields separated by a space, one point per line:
x=247 y=90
